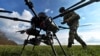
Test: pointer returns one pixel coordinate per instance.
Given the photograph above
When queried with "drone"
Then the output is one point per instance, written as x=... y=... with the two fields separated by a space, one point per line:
x=50 y=27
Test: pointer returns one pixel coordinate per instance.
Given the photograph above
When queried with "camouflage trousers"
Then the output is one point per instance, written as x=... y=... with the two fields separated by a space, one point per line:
x=73 y=35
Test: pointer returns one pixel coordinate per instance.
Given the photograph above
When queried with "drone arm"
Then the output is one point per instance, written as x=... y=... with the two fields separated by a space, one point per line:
x=76 y=4
x=15 y=19
x=8 y=17
x=5 y=11
x=95 y=0
x=30 y=5
x=21 y=20
x=78 y=7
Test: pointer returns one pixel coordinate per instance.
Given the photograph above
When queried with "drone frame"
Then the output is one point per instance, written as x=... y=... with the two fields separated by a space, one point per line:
x=72 y=8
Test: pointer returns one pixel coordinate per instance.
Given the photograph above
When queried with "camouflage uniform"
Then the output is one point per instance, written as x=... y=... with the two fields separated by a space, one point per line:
x=72 y=20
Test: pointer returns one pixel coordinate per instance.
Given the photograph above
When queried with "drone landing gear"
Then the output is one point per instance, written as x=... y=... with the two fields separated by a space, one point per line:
x=33 y=48
x=25 y=43
x=47 y=40
x=53 y=49
x=50 y=36
x=34 y=41
x=60 y=44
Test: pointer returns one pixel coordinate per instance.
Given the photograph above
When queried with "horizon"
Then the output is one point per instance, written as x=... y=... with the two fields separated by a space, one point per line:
x=89 y=15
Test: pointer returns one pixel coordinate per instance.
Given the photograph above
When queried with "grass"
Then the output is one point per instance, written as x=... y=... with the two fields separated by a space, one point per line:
x=47 y=51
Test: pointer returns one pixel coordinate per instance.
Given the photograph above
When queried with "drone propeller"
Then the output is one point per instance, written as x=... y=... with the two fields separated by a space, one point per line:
x=62 y=27
x=5 y=11
x=78 y=7
x=29 y=3
x=15 y=19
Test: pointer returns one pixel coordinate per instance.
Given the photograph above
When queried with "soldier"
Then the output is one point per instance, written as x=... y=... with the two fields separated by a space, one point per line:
x=72 y=20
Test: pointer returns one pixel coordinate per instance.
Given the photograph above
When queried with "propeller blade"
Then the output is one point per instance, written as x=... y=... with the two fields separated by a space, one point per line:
x=63 y=27
x=68 y=28
x=85 y=25
x=5 y=11
x=15 y=19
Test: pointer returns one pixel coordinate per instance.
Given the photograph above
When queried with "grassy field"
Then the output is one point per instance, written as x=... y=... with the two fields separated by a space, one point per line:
x=47 y=51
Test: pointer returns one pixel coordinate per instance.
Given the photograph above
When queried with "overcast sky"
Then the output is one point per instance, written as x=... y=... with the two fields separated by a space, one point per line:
x=89 y=15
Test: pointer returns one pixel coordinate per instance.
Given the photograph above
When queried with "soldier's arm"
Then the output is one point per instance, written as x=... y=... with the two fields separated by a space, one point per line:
x=74 y=16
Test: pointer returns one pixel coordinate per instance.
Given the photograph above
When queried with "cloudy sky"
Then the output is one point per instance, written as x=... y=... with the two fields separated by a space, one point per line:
x=89 y=15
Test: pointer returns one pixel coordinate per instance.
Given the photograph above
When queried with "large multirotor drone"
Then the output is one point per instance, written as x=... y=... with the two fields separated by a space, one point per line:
x=51 y=28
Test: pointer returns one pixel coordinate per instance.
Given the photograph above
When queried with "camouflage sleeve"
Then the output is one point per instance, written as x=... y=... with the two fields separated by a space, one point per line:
x=72 y=16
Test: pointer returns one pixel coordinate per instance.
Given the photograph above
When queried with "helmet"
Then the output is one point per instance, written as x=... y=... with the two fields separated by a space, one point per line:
x=61 y=9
